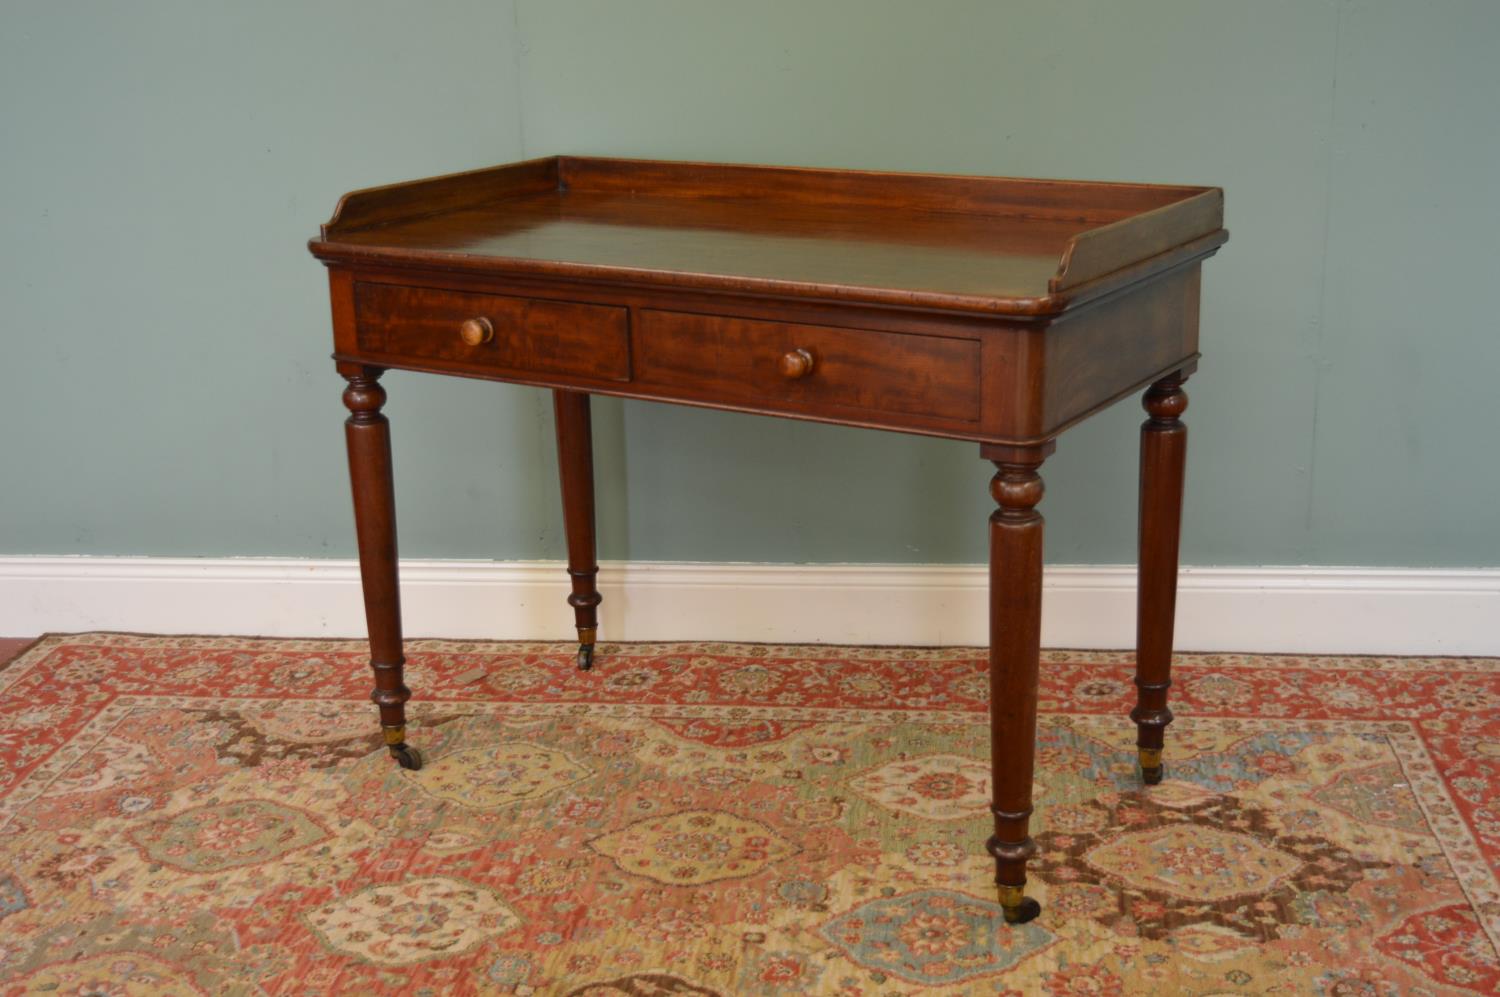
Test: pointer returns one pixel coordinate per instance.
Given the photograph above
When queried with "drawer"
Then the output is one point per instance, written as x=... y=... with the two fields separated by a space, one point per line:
x=528 y=335
x=809 y=367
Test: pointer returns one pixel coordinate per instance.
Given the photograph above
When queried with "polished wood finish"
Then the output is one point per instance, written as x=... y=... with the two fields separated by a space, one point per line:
x=1039 y=302
x=525 y=335
x=367 y=433
x=575 y=465
x=880 y=376
x=977 y=244
x=797 y=363
x=1163 y=460
x=476 y=331
x=1000 y=311
x=1015 y=653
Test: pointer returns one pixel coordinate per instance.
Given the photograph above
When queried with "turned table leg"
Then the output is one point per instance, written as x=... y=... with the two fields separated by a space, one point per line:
x=1163 y=454
x=1015 y=651
x=575 y=464
x=368 y=435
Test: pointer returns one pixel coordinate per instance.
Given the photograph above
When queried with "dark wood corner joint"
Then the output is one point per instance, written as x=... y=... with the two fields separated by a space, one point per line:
x=995 y=310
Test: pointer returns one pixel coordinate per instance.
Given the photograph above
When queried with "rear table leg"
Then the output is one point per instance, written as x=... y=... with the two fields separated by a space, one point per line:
x=575 y=463
x=1163 y=459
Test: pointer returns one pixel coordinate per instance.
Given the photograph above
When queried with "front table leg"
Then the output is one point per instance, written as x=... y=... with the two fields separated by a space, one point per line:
x=1015 y=651
x=368 y=435
x=575 y=465
x=1163 y=455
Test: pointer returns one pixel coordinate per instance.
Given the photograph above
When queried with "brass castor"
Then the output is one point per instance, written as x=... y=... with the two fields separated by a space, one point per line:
x=585 y=657
x=1016 y=906
x=1026 y=910
x=406 y=756
x=1151 y=766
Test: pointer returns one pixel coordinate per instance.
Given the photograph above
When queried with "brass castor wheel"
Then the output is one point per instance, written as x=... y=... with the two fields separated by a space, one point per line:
x=1016 y=906
x=585 y=657
x=1151 y=766
x=406 y=756
x=1026 y=910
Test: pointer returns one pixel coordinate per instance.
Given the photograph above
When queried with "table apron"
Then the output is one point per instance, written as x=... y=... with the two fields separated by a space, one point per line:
x=986 y=380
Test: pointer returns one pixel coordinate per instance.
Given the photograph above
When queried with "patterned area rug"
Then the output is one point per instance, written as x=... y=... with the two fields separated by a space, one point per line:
x=216 y=816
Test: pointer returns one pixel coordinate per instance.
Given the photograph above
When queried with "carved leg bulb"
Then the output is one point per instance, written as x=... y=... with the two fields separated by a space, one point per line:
x=575 y=463
x=1015 y=652
x=368 y=436
x=1163 y=458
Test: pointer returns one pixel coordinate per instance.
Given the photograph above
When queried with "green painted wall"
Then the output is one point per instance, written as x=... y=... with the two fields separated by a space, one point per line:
x=165 y=387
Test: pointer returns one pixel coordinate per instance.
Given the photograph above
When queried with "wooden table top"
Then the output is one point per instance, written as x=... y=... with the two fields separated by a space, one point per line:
x=970 y=244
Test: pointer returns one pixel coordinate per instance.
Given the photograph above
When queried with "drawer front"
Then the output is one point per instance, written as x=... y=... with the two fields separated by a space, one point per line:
x=528 y=335
x=809 y=367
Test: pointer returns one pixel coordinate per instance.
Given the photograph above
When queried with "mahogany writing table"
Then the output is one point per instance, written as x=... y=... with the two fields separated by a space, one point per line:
x=995 y=310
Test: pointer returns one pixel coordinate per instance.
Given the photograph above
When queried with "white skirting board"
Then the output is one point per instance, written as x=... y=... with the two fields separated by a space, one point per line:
x=1296 y=610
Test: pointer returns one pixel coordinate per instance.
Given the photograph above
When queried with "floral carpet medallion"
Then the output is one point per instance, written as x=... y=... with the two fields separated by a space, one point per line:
x=218 y=816
x=934 y=937
x=692 y=847
x=1193 y=862
x=491 y=776
x=412 y=921
x=225 y=835
x=934 y=787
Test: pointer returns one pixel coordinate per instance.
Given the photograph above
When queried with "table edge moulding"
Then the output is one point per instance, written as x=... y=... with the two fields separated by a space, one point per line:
x=996 y=310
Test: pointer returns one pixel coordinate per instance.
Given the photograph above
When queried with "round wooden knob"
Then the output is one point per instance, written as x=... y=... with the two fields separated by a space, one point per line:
x=796 y=364
x=476 y=331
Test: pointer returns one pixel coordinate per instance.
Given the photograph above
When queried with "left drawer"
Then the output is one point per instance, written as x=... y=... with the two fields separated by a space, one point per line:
x=524 y=335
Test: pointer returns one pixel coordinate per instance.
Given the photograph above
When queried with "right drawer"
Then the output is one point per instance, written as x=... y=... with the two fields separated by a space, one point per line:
x=810 y=368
